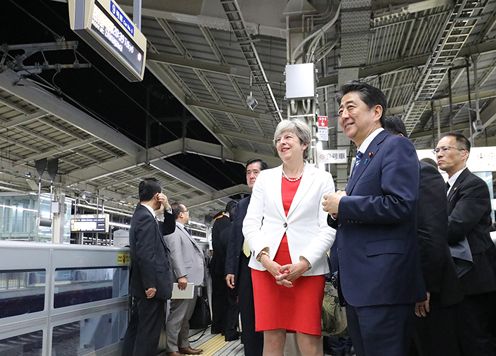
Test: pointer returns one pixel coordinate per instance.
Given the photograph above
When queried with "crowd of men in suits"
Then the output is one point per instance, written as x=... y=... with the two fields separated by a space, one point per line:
x=417 y=267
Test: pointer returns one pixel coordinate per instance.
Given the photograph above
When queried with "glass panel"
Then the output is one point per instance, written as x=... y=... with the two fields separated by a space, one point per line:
x=20 y=217
x=21 y=292
x=89 y=335
x=26 y=344
x=76 y=286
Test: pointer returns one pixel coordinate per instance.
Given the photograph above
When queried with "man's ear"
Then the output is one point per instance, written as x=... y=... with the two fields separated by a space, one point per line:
x=378 y=110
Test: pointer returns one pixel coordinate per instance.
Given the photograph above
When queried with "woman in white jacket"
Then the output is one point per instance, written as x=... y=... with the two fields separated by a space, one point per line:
x=288 y=235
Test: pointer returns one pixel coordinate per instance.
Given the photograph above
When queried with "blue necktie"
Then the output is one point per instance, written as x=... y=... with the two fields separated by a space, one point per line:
x=358 y=158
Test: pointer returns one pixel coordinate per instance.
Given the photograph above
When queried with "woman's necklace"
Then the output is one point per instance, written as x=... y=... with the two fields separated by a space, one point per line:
x=293 y=179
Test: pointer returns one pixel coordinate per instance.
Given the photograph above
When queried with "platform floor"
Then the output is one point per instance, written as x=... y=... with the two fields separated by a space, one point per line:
x=215 y=345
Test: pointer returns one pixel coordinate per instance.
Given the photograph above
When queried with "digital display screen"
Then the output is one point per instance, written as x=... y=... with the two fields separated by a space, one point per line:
x=104 y=26
x=89 y=224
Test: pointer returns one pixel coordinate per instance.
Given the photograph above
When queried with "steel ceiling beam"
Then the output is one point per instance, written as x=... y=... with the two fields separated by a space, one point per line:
x=56 y=151
x=235 y=18
x=30 y=92
x=218 y=195
x=160 y=152
x=247 y=137
x=23 y=119
x=223 y=108
x=387 y=67
x=455 y=33
x=198 y=64
x=181 y=92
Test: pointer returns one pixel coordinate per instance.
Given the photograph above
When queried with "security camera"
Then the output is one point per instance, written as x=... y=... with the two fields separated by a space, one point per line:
x=251 y=102
x=478 y=126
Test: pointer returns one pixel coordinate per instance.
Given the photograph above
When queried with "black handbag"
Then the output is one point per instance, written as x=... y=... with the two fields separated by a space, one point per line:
x=201 y=318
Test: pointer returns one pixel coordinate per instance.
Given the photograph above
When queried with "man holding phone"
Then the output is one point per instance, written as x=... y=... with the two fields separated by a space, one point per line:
x=150 y=283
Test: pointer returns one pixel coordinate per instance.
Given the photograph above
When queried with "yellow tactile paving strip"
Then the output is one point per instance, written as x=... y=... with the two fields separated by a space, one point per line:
x=214 y=344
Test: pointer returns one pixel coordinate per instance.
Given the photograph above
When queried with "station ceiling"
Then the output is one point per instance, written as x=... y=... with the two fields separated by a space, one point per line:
x=59 y=99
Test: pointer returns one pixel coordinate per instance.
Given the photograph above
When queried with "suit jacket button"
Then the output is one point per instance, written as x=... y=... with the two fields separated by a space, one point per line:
x=285 y=225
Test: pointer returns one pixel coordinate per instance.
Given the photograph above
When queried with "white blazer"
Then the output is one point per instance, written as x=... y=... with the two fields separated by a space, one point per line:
x=305 y=225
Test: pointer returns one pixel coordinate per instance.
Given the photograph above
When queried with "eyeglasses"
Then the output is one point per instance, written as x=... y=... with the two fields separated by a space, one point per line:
x=446 y=148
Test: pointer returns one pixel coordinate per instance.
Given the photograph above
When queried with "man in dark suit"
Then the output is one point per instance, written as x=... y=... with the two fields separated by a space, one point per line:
x=435 y=325
x=379 y=270
x=238 y=274
x=217 y=265
x=151 y=279
x=469 y=217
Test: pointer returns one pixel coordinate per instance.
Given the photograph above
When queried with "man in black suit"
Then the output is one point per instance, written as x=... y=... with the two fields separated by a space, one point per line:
x=220 y=304
x=151 y=279
x=435 y=332
x=469 y=217
x=238 y=274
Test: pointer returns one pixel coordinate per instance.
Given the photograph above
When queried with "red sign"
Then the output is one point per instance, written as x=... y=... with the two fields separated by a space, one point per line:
x=322 y=121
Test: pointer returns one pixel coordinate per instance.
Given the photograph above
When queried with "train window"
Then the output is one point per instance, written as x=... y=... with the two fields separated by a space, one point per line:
x=84 y=285
x=21 y=292
x=25 y=344
x=89 y=335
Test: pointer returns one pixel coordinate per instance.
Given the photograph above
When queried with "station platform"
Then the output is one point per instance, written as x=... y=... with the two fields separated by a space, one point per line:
x=213 y=344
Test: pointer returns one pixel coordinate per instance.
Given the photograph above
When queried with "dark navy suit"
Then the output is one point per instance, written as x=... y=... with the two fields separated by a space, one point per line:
x=379 y=269
x=237 y=264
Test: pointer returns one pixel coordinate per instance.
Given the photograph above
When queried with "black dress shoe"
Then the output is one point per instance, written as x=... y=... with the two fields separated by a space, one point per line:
x=232 y=336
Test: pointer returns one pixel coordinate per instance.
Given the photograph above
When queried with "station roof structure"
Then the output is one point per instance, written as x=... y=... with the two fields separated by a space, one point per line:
x=60 y=100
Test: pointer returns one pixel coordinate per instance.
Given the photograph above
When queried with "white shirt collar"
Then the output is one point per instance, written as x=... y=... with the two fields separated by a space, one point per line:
x=453 y=178
x=365 y=144
x=149 y=209
x=179 y=224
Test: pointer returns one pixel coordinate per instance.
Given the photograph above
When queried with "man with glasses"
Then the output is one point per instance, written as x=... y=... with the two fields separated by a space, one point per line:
x=187 y=267
x=469 y=210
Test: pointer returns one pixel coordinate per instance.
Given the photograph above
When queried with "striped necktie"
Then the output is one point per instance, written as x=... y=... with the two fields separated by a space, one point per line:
x=358 y=158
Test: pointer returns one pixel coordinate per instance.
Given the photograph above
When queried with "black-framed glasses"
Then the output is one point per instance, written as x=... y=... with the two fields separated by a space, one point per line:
x=446 y=148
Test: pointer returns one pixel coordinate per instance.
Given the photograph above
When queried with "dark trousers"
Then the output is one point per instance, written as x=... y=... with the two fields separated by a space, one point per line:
x=380 y=330
x=145 y=325
x=232 y=315
x=219 y=303
x=252 y=340
x=436 y=334
x=476 y=313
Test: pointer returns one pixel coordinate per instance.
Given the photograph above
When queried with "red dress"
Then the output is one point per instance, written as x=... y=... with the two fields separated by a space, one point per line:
x=296 y=309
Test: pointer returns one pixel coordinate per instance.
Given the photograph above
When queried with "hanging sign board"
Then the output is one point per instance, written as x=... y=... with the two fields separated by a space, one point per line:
x=323 y=130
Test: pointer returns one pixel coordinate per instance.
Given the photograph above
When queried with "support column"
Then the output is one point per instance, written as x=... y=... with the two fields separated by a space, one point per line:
x=58 y=218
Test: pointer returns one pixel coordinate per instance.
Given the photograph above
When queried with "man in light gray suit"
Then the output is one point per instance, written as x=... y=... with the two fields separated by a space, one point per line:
x=188 y=267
